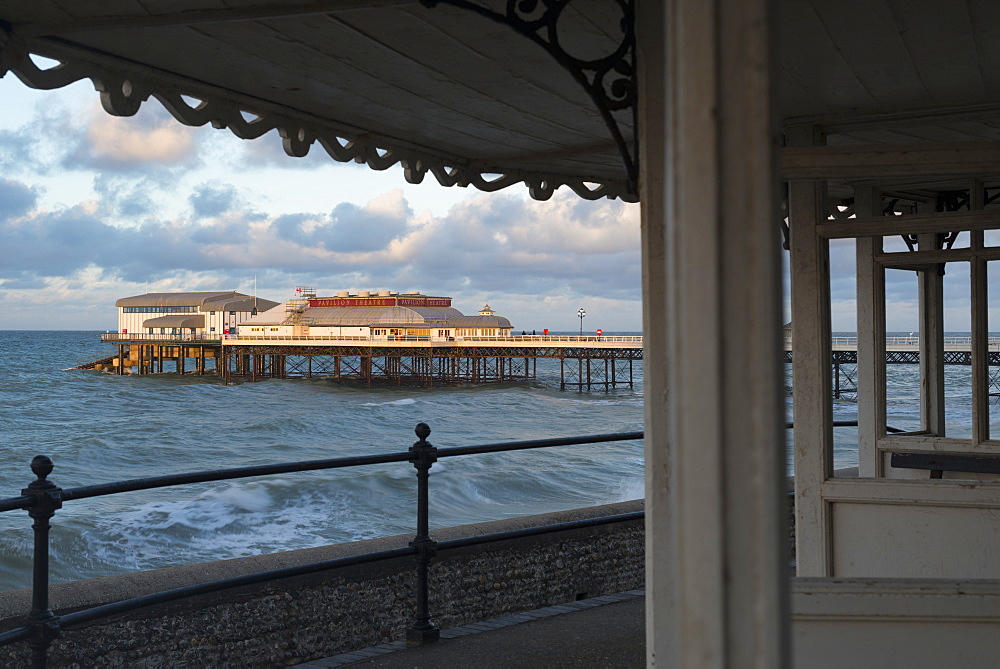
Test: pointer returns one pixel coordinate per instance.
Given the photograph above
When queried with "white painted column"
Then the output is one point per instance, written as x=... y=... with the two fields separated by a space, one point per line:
x=931 y=296
x=809 y=261
x=871 y=337
x=716 y=573
x=980 y=328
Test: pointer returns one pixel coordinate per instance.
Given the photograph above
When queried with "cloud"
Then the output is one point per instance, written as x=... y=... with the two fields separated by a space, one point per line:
x=212 y=199
x=490 y=246
x=125 y=197
x=16 y=199
x=19 y=150
x=155 y=138
x=370 y=228
x=149 y=142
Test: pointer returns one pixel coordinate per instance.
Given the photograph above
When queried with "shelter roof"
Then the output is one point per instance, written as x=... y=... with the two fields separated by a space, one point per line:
x=364 y=316
x=481 y=322
x=379 y=317
x=175 y=321
x=207 y=301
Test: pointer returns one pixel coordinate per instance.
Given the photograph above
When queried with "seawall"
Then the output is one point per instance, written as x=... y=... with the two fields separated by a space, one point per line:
x=296 y=619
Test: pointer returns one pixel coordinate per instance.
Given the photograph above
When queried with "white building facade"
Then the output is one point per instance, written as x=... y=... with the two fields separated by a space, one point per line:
x=368 y=315
x=210 y=314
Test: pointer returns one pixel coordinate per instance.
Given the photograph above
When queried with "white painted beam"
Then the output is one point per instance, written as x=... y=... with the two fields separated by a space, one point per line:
x=872 y=224
x=958 y=159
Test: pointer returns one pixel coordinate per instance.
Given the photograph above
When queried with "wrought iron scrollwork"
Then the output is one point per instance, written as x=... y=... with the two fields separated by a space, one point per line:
x=609 y=80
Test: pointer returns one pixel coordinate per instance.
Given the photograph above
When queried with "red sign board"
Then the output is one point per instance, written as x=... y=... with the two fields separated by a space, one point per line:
x=599 y=332
x=380 y=302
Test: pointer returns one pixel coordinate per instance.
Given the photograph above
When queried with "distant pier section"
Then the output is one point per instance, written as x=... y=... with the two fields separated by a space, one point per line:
x=399 y=338
x=905 y=350
x=367 y=337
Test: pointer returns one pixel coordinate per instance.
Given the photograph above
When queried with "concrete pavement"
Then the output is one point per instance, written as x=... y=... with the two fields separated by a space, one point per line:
x=606 y=632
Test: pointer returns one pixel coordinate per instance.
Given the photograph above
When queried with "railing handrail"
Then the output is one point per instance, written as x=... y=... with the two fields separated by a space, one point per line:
x=127 y=605
x=529 y=339
x=629 y=339
x=215 y=475
x=43 y=498
x=906 y=340
x=171 y=337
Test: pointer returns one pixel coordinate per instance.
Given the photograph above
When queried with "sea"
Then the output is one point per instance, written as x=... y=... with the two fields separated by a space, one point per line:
x=100 y=427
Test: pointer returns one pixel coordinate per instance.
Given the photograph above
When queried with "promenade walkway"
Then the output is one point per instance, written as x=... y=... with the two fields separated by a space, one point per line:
x=606 y=632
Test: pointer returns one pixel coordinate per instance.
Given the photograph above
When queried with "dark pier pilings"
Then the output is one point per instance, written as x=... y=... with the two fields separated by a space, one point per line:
x=581 y=368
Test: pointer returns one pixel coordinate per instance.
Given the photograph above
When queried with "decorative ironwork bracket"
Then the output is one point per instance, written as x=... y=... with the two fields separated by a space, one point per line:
x=610 y=81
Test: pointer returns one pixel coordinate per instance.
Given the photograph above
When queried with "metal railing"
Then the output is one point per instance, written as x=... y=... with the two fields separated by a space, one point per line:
x=904 y=340
x=153 y=337
x=42 y=498
x=519 y=339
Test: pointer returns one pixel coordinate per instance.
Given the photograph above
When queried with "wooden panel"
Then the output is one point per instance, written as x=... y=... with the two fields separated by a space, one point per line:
x=892 y=540
x=917 y=644
x=916 y=624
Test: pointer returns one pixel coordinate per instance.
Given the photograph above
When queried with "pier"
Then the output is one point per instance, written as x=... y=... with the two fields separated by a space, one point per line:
x=585 y=362
x=900 y=351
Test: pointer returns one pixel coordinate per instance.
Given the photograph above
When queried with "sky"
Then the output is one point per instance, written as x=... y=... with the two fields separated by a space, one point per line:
x=95 y=207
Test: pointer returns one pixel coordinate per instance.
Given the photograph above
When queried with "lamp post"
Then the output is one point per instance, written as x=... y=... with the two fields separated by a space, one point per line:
x=581 y=314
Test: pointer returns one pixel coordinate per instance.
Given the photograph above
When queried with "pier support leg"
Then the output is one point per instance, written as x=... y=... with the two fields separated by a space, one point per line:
x=836 y=379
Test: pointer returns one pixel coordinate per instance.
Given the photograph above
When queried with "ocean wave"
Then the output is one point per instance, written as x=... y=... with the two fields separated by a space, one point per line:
x=390 y=403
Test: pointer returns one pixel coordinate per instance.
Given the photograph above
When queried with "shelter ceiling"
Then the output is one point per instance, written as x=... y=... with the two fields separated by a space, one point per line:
x=891 y=71
x=447 y=90
x=439 y=86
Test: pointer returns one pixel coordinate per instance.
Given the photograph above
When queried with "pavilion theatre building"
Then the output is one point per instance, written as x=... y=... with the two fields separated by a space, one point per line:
x=207 y=314
x=370 y=315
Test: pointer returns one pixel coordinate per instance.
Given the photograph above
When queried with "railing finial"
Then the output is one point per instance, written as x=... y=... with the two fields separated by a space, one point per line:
x=41 y=466
x=423 y=430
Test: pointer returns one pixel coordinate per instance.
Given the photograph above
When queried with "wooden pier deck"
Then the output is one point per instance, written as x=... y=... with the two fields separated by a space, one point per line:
x=586 y=362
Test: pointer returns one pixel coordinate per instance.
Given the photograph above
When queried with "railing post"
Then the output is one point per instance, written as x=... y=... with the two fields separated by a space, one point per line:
x=423 y=457
x=47 y=498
